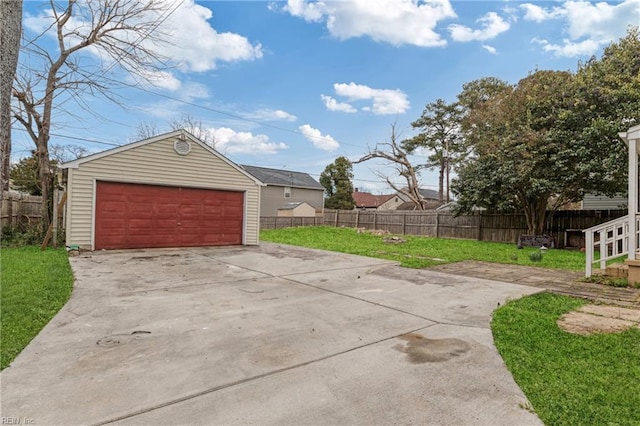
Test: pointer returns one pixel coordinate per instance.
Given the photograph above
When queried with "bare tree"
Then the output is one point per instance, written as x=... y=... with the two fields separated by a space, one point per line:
x=187 y=122
x=393 y=153
x=94 y=38
x=10 y=33
x=64 y=153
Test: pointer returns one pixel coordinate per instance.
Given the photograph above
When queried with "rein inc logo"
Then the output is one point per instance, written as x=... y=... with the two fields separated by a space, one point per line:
x=17 y=421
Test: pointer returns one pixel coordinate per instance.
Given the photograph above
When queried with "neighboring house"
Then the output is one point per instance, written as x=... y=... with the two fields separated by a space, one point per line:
x=392 y=203
x=430 y=199
x=602 y=202
x=297 y=209
x=171 y=190
x=368 y=201
x=285 y=186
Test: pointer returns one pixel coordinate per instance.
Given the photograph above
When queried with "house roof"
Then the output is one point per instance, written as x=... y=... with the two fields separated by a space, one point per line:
x=293 y=205
x=278 y=177
x=368 y=200
x=181 y=135
x=426 y=194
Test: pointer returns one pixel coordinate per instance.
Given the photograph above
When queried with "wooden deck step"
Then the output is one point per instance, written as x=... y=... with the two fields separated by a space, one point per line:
x=617 y=270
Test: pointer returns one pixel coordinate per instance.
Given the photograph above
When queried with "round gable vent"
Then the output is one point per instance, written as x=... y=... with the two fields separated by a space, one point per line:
x=182 y=146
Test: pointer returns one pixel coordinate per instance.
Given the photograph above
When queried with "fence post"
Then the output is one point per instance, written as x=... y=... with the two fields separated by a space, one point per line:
x=437 y=224
x=375 y=217
x=404 y=223
x=10 y=210
x=357 y=217
x=480 y=225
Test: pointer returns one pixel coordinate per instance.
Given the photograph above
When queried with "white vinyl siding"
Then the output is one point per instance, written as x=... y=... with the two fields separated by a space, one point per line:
x=155 y=163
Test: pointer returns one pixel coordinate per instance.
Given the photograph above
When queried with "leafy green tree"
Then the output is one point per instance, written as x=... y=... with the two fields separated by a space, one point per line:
x=608 y=102
x=336 y=179
x=441 y=136
x=526 y=156
x=25 y=176
x=551 y=137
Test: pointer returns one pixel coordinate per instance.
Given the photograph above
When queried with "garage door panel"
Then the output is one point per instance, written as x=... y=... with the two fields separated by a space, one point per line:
x=139 y=216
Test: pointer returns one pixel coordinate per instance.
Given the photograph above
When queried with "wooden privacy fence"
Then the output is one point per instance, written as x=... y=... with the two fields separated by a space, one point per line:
x=20 y=210
x=273 y=222
x=566 y=226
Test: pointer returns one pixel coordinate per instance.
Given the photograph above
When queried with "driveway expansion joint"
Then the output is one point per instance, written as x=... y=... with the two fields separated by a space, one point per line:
x=256 y=377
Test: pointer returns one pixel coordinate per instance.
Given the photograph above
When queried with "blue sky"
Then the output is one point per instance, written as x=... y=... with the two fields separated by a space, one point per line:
x=294 y=84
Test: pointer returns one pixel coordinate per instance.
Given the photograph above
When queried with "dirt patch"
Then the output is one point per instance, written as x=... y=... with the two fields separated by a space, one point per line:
x=592 y=319
x=372 y=231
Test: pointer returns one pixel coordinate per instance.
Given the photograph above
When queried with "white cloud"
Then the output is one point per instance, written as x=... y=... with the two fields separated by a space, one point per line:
x=231 y=142
x=190 y=43
x=270 y=115
x=588 y=26
x=384 y=101
x=161 y=79
x=196 y=46
x=490 y=49
x=334 y=105
x=320 y=141
x=192 y=90
x=535 y=13
x=310 y=12
x=569 y=48
x=396 y=22
x=491 y=24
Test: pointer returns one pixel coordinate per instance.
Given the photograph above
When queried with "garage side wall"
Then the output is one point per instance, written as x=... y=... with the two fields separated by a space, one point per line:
x=155 y=163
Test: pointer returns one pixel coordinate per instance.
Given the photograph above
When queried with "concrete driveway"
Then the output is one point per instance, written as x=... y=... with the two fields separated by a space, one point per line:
x=266 y=335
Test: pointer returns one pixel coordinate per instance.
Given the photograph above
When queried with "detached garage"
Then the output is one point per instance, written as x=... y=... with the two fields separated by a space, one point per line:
x=168 y=191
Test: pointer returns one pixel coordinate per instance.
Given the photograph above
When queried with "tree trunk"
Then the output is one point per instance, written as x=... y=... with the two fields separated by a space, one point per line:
x=10 y=33
x=45 y=174
x=448 y=171
x=441 y=181
x=536 y=215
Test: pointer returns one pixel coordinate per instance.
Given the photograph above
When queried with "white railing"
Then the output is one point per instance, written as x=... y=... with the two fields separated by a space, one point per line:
x=609 y=240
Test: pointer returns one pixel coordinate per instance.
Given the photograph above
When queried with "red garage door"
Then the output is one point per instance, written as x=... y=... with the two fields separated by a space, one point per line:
x=141 y=216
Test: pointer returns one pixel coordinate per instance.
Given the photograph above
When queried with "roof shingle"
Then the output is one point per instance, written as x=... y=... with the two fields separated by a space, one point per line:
x=278 y=177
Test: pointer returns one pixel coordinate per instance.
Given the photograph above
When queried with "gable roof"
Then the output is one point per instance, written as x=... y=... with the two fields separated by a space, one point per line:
x=294 y=205
x=366 y=199
x=426 y=194
x=177 y=134
x=278 y=177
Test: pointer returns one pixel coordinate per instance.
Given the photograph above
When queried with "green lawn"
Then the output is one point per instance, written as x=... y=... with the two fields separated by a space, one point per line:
x=35 y=285
x=569 y=379
x=420 y=252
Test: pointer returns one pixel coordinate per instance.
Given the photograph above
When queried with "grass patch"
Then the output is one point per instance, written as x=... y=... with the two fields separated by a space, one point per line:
x=608 y=281
x=35 y=285
x=569 y=379
x=420 y=252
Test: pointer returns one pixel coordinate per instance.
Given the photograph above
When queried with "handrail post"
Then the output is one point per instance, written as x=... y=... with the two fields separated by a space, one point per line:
x=603 y=248
x=589 y=253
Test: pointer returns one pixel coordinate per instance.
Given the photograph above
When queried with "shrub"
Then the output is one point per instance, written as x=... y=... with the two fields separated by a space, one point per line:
x=535 y=256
